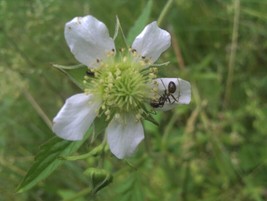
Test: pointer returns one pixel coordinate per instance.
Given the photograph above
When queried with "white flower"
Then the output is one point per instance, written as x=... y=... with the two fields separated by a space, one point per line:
x=120 y=87
x=181 y=94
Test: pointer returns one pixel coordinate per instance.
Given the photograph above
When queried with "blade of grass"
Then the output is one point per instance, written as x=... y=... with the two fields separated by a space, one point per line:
x=232 y=57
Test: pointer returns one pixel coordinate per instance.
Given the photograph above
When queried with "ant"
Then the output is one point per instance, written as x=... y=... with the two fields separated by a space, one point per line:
x=165 y=97
x=90 y=73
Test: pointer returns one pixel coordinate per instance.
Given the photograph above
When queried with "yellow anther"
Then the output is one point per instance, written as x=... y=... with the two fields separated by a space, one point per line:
x=103 y=107
x=118 y=72
x=138 y=117
x=110 y=85
x=107 y=112
x=141 y=111
x=117 y=116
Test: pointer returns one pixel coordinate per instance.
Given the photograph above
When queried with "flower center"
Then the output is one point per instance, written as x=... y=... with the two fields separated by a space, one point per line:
x=123 y=84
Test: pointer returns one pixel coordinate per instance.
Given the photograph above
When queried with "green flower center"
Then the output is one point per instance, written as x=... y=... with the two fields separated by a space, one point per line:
x=124 y=84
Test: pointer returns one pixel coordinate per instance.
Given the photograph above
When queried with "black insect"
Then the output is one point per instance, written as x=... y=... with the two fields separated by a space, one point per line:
x=159 y=103
x=90 y=73
x=165 y=97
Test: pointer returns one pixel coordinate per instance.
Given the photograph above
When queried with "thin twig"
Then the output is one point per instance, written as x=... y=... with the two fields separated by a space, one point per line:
x=37 y=108
x=177 y=52
x=6 y=163
x=232 y=57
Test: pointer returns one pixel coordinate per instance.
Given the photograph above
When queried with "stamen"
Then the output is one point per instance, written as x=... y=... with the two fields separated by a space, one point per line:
x=133 y=51
x=138 y=117
x=122 y=84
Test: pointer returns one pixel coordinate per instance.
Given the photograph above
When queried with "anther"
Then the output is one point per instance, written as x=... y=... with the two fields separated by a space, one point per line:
x=86 y=91
x=110 y=85
x=152 y=75
x=138 y=117
x=141 y=111
x=133 y=51
x=111 y=53
x=103 y=107
x=117 y=116
x=107 y=112
x=90 y=73
x=118 y=73
x=153 y=70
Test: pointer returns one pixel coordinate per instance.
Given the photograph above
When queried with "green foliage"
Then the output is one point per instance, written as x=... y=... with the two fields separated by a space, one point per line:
x=213 y=149
x=131 y=189
x=140 y=23
x=47 y=161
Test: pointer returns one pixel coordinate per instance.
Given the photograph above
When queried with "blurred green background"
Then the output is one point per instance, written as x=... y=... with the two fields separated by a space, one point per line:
x=213 y=149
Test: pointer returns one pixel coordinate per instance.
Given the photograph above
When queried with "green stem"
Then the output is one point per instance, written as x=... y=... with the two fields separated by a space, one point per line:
x=37 y=108
x=222 y=157
x=233 y=49
x=167 y=131
x=79 y=194
x=99 y=150
x=164 y=11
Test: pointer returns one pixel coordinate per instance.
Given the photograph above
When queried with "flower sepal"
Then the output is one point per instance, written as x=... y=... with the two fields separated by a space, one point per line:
x=100 y=178
x=149 y=116
x=98 y=150
x=75 y=73
x=68 y=67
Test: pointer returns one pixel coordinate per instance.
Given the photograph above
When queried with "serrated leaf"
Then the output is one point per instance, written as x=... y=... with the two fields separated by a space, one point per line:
x=140 y=22
x=48 y=160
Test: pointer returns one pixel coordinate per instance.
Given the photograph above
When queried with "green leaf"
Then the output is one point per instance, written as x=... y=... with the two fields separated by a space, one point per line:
x=75 y=73
x=132 y=188
x=149 y=117
x=48 y=160
x=100 y=124
x=140 y=23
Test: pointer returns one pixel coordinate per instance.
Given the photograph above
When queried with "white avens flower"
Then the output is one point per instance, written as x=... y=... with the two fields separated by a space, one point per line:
x=122 y=87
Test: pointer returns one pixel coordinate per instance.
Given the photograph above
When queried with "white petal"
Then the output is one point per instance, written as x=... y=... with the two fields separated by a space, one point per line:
x=151 y=42
x=75 y=117
x=182 y=94
x=124 y=135
x=88 y=39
